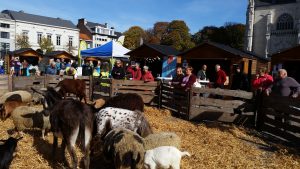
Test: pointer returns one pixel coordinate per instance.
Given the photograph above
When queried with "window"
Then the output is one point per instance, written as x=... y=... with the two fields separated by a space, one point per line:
x=285 y=22
x=25 y=34
x=4 y=25
x=111 y=32
x=58 y=40
x=70 y=41
x=4 y=35
x=49 y=36
x=39 y=37
x=4 y=46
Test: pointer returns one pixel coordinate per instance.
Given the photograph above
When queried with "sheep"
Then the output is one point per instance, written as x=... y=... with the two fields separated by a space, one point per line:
x=162 y=139
x=122 y=118
x=129 y=101
x=20 y=95
x=8 y=107
x=164 y=157
x=7 y=150
x=75 y=86
x=125 y=148
x=30 y=117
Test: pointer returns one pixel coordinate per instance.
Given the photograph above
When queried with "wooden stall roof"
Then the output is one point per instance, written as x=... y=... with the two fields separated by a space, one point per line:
x=60 y=55
x=212 y=50
x=26 y=52
x=291 y=54
x=153 y=51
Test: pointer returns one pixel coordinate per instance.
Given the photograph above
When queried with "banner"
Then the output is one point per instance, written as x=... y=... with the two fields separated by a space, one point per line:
x=169 y=66
x=82 y=46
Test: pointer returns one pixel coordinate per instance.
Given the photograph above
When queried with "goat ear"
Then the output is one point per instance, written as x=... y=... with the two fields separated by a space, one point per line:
x=57 y=89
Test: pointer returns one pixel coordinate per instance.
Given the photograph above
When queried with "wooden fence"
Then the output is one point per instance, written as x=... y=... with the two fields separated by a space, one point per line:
x=280 y=117
x=219 y=104
x=175 y=100
x=149 y=91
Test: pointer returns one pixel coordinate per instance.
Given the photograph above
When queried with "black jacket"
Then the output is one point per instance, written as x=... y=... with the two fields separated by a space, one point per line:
x=118 y=73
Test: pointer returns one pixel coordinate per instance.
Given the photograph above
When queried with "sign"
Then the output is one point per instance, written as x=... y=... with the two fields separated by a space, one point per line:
x=169 y=66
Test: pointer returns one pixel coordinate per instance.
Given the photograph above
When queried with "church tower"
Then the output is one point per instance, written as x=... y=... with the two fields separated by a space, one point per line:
x=272 y=26
x=249 y=26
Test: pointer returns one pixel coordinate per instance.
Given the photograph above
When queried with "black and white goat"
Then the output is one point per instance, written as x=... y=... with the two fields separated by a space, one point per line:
x=71 y=119
x=7 y=150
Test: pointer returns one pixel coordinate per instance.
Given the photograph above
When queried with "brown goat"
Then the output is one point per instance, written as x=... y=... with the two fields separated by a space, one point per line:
x=8 y=107
x=129 y=101
x=75 y=86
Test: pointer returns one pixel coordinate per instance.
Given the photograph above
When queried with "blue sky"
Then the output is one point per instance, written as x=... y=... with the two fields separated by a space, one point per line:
x=123 y=14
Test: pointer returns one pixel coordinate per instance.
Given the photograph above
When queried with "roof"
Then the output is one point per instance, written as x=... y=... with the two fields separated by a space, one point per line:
x=22 y=16
x=118 y=34
x=272 y=2
x=4 y=16
x=22 y=51
x=60 y=54
x=226 y=48
x=93 y=24
x=84 y=36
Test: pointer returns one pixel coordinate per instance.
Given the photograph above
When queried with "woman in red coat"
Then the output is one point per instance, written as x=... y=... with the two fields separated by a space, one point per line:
x=147 y=76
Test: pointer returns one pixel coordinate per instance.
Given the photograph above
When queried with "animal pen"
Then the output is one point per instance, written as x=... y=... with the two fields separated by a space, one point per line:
x=276 y=116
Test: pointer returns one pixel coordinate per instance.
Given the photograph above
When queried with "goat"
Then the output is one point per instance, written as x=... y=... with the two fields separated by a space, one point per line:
x=164 y=157
x=71 y=119
x=8 y=107
x=129 y=101
x=7 y=150
x=122 y=118
x=75 y=86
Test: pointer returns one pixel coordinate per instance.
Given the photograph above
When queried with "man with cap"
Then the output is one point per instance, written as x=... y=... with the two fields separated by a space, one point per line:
x=118 y=72
x=147 y=76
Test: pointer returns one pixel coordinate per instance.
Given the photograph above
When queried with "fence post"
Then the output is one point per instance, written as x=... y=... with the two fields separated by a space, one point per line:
x=189 y=95
x=91 y=88
x=160 y=83
x=10 y=83
x=111 y=87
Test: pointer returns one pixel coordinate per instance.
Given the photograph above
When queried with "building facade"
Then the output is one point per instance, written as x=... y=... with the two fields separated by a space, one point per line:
x=272 y=26
x=63 y=34
x=96 y=34
x=7 y=34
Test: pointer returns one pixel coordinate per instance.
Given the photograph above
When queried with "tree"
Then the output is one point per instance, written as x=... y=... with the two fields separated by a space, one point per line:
x=22 y=42
x=46 y=45
x=155 y=34
x=231 y=34
x=178 y=36
x=134 y=37
x=70 y=48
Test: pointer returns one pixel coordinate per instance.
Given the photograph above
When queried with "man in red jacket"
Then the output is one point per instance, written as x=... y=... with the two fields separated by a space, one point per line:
x=220 y=77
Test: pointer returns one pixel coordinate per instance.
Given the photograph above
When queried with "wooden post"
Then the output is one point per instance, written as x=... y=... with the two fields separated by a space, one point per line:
x=159 y=94
x=189 y=95
x=111 y=87
x=10 y=83
x=91 y=88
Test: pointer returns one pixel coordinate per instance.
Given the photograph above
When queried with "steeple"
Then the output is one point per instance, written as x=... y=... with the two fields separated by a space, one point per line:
x=249 y=26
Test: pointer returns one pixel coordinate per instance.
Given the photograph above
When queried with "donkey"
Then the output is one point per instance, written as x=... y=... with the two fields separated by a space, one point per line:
x=71 y=119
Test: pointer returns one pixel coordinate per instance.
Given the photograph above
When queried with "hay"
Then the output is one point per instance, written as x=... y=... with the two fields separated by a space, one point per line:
x=213 y=146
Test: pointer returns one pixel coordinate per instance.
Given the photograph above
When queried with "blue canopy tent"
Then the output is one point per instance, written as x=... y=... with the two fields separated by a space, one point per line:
x=109 y=50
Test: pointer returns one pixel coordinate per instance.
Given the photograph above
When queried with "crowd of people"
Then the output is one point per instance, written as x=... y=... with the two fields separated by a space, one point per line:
x=263 y=82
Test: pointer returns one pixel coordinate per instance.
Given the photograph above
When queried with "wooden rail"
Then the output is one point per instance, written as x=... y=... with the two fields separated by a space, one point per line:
x=280 y=117
x=218 y=104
